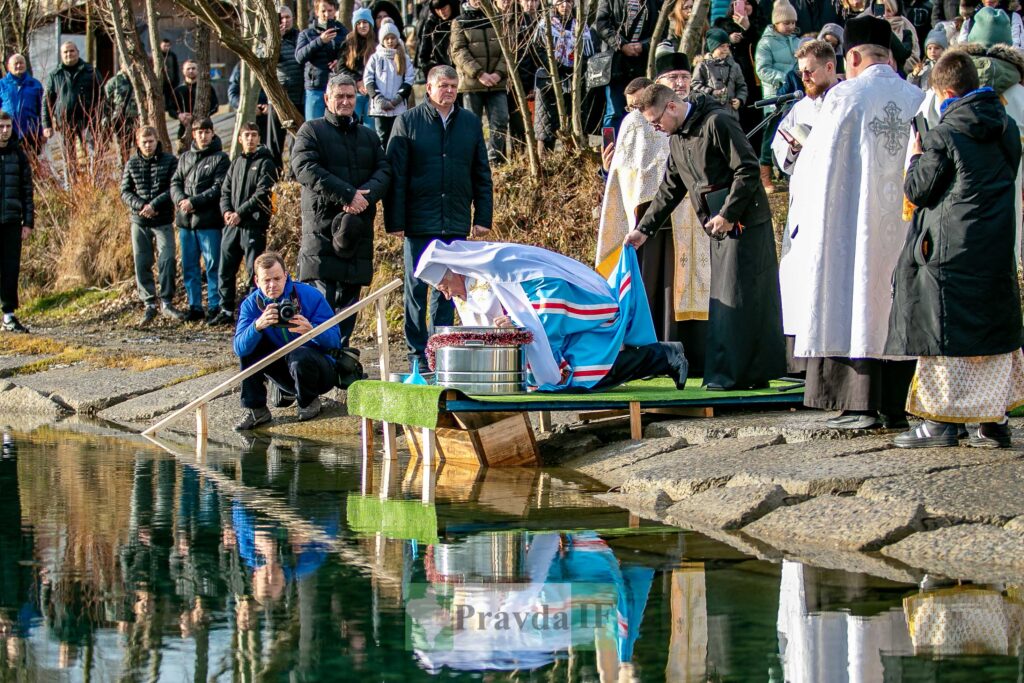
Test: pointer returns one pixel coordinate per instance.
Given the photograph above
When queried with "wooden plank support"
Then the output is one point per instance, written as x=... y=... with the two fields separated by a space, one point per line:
x=366 y=482
x=429 y=465
x=544 y=419
x=383 y=348
x=636 y=427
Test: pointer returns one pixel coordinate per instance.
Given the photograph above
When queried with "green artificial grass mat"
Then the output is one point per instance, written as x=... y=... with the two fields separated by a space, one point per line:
x=404 y=519
x=418 y=405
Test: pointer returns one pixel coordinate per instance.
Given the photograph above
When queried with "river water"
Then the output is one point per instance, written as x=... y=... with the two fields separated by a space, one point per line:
x=264 y=561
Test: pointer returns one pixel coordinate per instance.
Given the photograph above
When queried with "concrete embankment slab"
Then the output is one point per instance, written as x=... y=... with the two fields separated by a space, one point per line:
x=978 y=552
x=728 y=507
x=613 y=463
x=91 y=390
x=15 y=400
x=154 y=404
x=793 y=426
x=11 y=364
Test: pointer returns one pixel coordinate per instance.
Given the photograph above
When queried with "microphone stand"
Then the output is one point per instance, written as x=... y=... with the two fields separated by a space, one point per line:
x=779 y=112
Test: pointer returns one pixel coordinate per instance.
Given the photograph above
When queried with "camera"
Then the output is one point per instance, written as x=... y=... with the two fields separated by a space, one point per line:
x=286 y=311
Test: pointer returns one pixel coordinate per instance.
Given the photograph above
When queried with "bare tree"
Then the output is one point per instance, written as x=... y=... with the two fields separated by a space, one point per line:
x=153 y=30
x=660 y=27
x=693 y=35
x=583 y=9
x=259 y=48
x=201 y=49
x=18 y=18
x=556 y=78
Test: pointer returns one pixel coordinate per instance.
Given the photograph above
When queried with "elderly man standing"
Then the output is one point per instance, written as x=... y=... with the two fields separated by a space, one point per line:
x=847 y=234
x=712 y=161
x=442 y=190
x=72 y=100
x=21 y=96
x=343 y=173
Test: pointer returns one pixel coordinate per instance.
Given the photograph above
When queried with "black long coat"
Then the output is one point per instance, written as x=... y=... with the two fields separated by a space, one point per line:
x=955 y=284
x=332 y=159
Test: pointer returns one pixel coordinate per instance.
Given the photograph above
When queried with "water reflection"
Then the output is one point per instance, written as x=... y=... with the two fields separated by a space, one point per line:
x=118 y=561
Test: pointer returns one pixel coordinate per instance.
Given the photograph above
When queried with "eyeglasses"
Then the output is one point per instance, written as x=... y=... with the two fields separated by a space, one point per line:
x=657 y=122
x=807 y=73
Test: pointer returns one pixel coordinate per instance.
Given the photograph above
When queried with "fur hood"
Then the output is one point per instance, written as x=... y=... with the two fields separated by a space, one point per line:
x=1007 y=57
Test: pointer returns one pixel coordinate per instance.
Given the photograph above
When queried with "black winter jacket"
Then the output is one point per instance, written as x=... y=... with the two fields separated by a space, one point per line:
x=332 y=159
x=198 y=178
x=316 y=56
x=435 y=42
x=611 y=24
x=247 y=186
x=72 y=95
x=442 y=179
x=710 y=152
x=955 y=284
x=289 y=71
x=16 y=205
x=148 y=181
x=184 y=101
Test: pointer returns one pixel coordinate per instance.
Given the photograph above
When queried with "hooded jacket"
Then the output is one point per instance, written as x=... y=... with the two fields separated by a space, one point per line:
x=382 y=80
x=119 y=100
x=16 y=205
x=247 y=186
x=773 y=59
x=955 y=284
x=316 y=56
x=311 y=305
x=712 y=74
x=198 y=178
x=392 y=11
x=22 y=98
x=475 y=51
x=72 y=95
x=148 y=181
x=434 y=45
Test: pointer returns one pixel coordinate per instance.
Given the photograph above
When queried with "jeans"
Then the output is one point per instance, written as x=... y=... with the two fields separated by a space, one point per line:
x=383 y=126
x=442 y=311
x=142 y=250
x=305 y=372
x=237 y=243
x=10 y=265
x=614 y=104
x=315 y=104
x=496 y=105
x=340 y=295
x=194 y=243
x=363 y=108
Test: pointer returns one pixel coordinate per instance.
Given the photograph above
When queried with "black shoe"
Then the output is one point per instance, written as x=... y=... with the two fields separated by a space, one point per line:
x=254 y=417
x=13 y=325
x=713 y=386
x=169 y=311
x=310 y=411
x=279 y=398
x=929 y=434
x=212 y=314
x=149 y=316
x=854 y=419
x=991 y=435
x=894 y=421
x=677 y=361
x=223 y=317
x=195 y=314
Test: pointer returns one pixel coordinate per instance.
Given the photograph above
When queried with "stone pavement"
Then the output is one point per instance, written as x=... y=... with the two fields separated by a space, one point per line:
x=778 y=484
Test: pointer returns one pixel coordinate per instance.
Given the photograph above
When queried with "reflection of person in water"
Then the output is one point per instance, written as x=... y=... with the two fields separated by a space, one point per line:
x=966 y=620
x=16 y=609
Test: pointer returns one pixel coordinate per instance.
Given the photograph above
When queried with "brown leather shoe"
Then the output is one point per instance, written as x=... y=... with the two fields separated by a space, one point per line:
x=766 y=179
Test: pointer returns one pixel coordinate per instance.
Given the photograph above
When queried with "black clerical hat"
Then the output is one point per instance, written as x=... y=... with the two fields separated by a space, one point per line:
x=670 y=61
x=866 y=30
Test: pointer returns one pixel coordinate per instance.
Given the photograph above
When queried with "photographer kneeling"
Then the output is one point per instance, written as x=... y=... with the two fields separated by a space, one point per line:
x=277 y=312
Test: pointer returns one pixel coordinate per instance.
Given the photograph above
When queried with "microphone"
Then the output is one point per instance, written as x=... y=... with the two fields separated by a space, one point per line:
x=781 y=99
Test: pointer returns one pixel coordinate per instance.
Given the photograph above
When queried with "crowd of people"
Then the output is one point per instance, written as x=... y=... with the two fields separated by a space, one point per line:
x=895 y=125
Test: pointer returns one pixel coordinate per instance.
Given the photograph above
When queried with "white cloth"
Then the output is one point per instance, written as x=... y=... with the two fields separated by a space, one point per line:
x=804 y=112
x=1013 y=102
x=848 y=222
x=634 y=177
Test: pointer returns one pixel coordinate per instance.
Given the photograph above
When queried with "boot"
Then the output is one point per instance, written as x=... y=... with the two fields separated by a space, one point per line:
x=766 y=178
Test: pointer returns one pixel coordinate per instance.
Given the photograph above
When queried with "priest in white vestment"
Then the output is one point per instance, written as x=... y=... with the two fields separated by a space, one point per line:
x=848 y=230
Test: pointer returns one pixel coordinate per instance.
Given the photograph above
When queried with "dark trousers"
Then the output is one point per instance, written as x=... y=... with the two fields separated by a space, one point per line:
x=305 y=372
x=340 y=295
x=10 y=265
x=142 y=252
x=636 y=362
x=383 y=126
x=442 y=311
x=238 y=242
x=859 y=384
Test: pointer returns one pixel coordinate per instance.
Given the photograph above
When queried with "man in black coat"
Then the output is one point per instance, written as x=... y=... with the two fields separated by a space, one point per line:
x=628 y=33
x=442 y=190
x=72 y=101
x=146 y=190
x=343 y=173
x=184 y=101
x=17 y=214
x=708 y=151
x=195 y=189
x=245 y=203
x=172 y=73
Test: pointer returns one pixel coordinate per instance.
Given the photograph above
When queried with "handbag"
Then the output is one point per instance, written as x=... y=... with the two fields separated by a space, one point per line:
x=601 y=67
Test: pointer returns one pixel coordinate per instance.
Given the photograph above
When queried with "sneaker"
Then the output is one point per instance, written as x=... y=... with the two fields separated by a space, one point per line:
x=12 y=324
x=169 y=311
x=929 y=434
x=991 y=435
x=279 y=398
x=254 y=417
x=223 y=317
x=148 y=317
x=310 y=411
x=195 y=314
x=212 y=314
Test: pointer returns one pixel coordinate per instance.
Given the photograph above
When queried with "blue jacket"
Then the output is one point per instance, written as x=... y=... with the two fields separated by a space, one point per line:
x=22 y=98
x=315 y=56
x=311 y=304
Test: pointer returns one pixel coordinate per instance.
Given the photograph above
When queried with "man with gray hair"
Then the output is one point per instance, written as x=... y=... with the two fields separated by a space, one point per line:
x=72 y=100
x=343 y=172
x=442 y=190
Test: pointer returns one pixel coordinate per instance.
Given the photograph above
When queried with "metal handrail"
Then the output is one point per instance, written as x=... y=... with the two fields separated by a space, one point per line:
x=199 y=404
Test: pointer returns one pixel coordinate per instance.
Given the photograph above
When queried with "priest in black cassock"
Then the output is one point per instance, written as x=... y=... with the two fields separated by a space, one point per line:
x=711 y=158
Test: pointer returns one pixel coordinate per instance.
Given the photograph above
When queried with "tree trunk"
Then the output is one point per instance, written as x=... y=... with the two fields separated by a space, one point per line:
x=247 y=96
x=577 y=90
x=201 y=38
x=691 y=40
x=345 y=9
x=556 y=78
x=302 y=15
x=659 y=31
x=153 y=30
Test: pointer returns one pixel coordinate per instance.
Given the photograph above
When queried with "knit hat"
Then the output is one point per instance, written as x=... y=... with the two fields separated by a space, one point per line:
x=832 y=30
x=991 y=27
x=666 y=62
x=866 y=30
x=783 y=11
x=388 y=28
x=716 y=38
x=937 y=36
x=362 y=14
